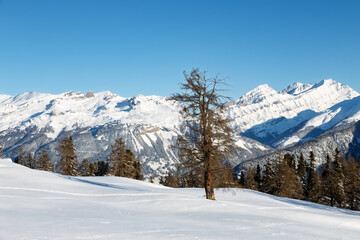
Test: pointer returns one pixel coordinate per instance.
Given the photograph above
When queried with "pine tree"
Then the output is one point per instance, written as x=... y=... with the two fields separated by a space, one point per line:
x=171 y=181
x=124 y=162
x=118 y=158
x=339 y=193
x=268 y=179
x=301 y=171
x=151 y=180
x=250 y=182
x=352 y=183
x=84 y=167
x=29 y=161
x=19 y=159
x=286 y=182
x=1 y=150
x=313 y=188
x=102 y=168
x=43 y=161
x=280 y=179
x=66 y=152
x=258 y=178
x=327 y=182
x=138 y=170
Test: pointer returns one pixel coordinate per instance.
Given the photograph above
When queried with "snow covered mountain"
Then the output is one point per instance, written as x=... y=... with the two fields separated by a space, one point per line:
x=43 y=205
x=149 y=126
x=299 y=113
x=263 y=119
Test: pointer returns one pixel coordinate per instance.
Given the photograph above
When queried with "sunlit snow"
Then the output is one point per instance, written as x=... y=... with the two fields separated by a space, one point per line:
x=43 y=205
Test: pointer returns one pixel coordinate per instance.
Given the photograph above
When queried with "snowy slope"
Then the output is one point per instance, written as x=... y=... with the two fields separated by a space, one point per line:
x=148 y=124
x=280 y=119
x=42 y=205
x=76 y=110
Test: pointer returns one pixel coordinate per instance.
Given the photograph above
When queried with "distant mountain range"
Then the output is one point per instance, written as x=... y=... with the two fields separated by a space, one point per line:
x=263 y=119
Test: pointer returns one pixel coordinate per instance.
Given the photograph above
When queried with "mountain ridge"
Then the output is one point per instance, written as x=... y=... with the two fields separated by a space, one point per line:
x=263 y=120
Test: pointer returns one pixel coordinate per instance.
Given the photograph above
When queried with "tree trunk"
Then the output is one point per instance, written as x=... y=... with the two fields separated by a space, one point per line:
x=209 y=189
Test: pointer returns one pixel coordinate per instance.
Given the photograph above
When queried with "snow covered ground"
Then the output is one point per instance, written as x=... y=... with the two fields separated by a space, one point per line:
x=43 y=205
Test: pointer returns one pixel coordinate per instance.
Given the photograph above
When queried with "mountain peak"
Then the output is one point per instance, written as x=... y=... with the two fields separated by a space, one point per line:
x=257 y=94
x=297 y=88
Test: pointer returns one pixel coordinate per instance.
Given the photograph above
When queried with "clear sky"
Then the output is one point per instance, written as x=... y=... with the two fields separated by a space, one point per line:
x=142 y=47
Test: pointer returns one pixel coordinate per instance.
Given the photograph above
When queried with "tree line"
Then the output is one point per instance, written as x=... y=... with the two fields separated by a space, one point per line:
x=335 y=183
x=121 y=162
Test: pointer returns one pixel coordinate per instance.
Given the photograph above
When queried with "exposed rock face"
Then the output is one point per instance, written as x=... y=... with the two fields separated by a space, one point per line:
x=263 y=119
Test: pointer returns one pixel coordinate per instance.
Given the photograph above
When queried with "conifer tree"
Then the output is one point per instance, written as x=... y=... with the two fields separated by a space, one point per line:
x=258 y=178
x=20 y=156
x=301 y=171
x=286 y=182
x=250 y=182
x=280 y=179
x=43 y=161
x=171 y=181
x=338 y=179
x=66 y=152
x=151 y=180
x=209 y=138
x=313 y=188
x=1 y=150
x=138 y=170
x=102 y=168
x=84 y=167
x=29 y=161
x=242 y=179
x=268 y=179
x=352 y=183
x=124 y=162
x=328 y=183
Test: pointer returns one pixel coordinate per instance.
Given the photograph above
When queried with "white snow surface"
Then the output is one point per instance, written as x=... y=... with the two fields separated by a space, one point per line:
x=75 y=110
x=42 y=205
x=263 y=110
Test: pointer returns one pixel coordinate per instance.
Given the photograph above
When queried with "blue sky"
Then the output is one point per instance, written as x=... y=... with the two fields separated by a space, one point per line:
x=142 y=47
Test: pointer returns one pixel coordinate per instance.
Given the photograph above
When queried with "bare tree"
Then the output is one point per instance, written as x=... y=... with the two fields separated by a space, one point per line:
x=209 y=137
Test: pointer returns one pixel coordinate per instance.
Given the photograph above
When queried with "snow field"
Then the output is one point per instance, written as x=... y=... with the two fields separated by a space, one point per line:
x=43 y=205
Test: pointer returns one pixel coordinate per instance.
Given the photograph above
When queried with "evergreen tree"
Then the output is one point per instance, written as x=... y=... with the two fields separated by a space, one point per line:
x=286 y=182
x=122 y=165
x=339 y=193
x=102 y=168
x=280 y=179
x=84 y=167
x=124 y=162
x=313 y=188
x=328 y=183
x=138 y=170
x=29 y=161
x=352 y=183
x=250 y=182
x=151 y=180
x=66 y=152
x=268 y=179
x=258 y=178
x=171 y=181
x=19 y=159
x=242 y=179
x=290 y=159
x=301 y=171
x=1 y=150
x=43 y=161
